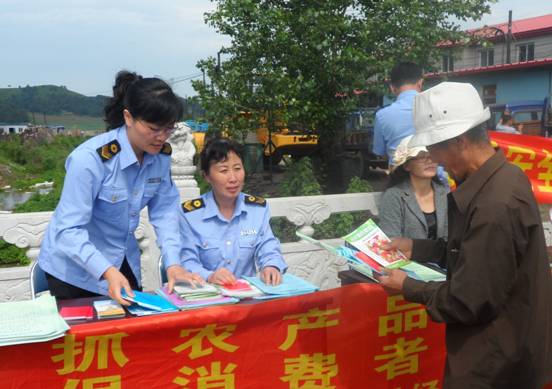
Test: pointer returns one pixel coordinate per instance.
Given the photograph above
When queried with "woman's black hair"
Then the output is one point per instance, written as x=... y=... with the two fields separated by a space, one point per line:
x=216 y=150
x=148 y=99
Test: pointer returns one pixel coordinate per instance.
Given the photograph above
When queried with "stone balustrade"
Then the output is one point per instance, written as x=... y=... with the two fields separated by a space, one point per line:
x=304 y=259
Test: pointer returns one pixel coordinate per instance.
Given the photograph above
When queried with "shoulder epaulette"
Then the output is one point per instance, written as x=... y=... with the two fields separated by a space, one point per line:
x=192 y=205
x=256 y=200
x=107 y=151
x=167 y=149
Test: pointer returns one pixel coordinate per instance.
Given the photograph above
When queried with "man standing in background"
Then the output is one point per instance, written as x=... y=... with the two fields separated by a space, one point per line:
x=394 y=122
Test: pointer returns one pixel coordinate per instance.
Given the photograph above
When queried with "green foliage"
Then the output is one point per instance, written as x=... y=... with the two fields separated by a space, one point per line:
x=340 y=224
x=289 y=59
x=203 y=185
x=11 y=255
x=300 y=180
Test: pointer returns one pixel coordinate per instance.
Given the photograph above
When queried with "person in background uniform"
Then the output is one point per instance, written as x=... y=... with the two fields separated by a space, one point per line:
x=226 y=232
x=89 y=248
x=415 y=204
x=394 y=122
x=497 y=299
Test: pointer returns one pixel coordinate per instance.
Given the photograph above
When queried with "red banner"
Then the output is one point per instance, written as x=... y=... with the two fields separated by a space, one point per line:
x=349 y=337
x=533 y=154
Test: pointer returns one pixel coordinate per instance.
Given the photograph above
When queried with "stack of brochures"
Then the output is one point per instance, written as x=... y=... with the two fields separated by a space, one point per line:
x=365 y=254
x=186 y=297
x=108 y=309
x=290 y=286
x=30 y=321
x=145 y=304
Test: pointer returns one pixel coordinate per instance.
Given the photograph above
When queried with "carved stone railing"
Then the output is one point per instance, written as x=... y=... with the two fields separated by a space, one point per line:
x=26 y=231
x=304 y=259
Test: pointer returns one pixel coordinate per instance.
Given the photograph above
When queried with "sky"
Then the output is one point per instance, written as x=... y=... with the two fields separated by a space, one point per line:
x=82 y=44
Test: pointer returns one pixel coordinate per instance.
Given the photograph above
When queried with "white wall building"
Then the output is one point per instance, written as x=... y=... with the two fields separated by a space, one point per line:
x=6 y=129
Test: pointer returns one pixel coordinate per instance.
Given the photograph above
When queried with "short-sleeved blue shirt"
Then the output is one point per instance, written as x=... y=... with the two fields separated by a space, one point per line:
x=209 y=241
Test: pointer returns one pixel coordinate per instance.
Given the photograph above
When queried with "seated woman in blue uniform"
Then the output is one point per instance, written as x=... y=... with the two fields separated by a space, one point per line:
x=225 y=232
x=89 y=248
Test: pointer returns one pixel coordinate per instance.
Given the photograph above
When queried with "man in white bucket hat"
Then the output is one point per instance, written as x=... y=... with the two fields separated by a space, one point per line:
x=497 y=299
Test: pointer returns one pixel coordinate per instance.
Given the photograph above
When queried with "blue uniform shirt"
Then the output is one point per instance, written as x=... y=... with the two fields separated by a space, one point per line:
x=393 y=124
x=93 y=225
x=210 y=242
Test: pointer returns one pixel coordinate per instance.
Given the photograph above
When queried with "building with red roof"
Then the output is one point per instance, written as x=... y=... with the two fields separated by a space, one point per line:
x=483 y=61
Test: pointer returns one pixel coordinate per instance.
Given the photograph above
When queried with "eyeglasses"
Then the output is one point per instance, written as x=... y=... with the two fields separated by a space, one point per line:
x=158 y=131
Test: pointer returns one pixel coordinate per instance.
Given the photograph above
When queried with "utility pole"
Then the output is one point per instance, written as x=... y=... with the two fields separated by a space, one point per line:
x=509 y=38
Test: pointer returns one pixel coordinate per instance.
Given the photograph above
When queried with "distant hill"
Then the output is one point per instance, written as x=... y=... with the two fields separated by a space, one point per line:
x=16 y=103
x=58 y=105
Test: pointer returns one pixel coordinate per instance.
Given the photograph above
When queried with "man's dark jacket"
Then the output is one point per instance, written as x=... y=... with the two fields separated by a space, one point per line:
x=497 y=299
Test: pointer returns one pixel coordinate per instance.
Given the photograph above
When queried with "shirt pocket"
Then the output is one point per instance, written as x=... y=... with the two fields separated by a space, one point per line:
x=247 y=248
x=112 y=204
x=150 y=190
x=210 y=254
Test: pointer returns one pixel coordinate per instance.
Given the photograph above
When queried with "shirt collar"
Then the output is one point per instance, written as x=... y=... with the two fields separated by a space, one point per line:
x=407 y=93
x=465 y=192
x=212 y=210
x=127 y=153
x=128 y=157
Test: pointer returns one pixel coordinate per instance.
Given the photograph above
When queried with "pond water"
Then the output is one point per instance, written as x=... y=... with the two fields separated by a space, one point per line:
x=9 y=199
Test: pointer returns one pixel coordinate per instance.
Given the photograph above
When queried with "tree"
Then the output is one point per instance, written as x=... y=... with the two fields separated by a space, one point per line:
x=290 y=59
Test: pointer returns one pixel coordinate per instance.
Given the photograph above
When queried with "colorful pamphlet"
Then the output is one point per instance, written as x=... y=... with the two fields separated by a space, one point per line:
x=182 y=303
x=152 y=302
x=77 y=313
x=108 y=309
x=240 y=289
x=369 y=239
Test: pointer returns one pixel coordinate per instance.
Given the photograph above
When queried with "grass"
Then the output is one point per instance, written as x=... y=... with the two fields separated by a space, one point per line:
x=70 y=121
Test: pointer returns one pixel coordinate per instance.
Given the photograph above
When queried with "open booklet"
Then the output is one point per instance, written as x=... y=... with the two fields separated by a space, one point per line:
x=366 y=256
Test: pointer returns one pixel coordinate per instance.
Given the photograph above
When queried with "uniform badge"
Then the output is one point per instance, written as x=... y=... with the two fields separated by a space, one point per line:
x=256 y=200
x=166 y=149
x=107 y=151
x=192 y=205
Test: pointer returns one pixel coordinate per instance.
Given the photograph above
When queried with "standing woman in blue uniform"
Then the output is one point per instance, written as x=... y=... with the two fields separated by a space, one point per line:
x=225 y=232
x=89 y=248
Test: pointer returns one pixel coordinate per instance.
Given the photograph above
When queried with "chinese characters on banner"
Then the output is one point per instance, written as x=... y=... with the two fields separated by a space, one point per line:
x=345 y=338
x=350 y=337
x=533 y=155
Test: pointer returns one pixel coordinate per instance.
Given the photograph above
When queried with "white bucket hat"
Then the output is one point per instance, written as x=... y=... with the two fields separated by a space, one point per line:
x=404 y=152
x=446 y=111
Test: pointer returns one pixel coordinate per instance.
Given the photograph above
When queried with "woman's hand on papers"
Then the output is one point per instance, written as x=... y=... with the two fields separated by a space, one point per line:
x=404 y=245
x=271 y=276
x=115 y=282
x=392 y=281
x=222 y=276
x=177 y=273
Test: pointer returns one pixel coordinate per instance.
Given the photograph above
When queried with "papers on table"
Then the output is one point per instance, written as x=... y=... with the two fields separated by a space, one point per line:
x=84 y=312
x=108 y=309
x=151 y=302
x=240 y=289
x=191 y=300
x=30 y=321
x=291 y=286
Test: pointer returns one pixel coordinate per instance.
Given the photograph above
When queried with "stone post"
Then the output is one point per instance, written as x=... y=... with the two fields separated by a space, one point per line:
x=182 y=166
